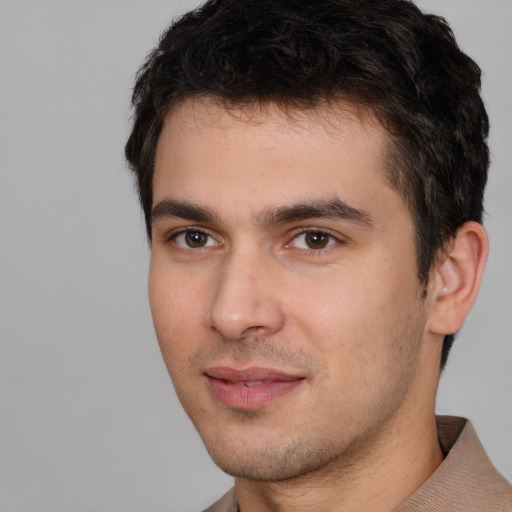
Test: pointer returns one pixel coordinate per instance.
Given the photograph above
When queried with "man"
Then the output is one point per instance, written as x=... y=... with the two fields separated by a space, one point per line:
x=312 y=177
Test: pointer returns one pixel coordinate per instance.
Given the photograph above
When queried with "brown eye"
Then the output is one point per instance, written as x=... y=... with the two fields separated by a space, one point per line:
x=194 y=239
x=317 y=240
x=314 y=240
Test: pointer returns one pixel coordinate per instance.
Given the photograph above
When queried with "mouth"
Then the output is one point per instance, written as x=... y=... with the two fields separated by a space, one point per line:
x=251 y=388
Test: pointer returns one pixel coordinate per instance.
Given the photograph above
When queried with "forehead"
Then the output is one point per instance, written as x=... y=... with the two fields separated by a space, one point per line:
x=261 y=156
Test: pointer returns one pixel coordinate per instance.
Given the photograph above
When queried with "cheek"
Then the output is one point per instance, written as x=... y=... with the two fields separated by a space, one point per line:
x=337 y=308
x=368 y=340
x=178 y=311
x=354 y=318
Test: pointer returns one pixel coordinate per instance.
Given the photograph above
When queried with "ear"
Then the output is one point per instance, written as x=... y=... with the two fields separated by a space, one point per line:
x=455 y=279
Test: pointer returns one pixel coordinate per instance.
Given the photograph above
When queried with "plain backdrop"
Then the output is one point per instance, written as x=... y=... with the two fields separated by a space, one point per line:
x=88 y=417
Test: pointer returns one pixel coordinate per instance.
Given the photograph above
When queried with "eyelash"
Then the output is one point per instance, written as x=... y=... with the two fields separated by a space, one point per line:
x=332 y=240
x=171 y=238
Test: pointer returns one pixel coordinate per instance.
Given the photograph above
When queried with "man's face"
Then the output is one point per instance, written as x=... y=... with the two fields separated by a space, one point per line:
x=283 y=286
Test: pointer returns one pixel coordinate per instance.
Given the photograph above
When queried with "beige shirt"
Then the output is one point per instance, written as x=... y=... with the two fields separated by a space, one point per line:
x=466 y=481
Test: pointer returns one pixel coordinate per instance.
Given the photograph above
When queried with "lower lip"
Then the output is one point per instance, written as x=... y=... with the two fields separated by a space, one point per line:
x=250 y=398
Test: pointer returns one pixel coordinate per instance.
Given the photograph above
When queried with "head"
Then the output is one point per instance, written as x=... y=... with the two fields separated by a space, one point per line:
x=385 y=57
x=311 y=174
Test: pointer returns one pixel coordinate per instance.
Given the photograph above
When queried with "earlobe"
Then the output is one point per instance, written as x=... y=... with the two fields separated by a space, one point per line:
x=456 y=279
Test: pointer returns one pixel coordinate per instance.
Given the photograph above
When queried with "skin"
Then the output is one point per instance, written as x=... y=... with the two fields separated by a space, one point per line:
x=235 y=282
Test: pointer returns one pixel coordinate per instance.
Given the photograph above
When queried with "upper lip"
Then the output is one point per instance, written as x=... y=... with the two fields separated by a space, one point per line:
x=249 y=374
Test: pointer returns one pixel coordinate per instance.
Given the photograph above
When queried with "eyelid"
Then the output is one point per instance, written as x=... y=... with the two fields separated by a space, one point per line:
x=174 y=233
x=340 y=240
x=171 y=235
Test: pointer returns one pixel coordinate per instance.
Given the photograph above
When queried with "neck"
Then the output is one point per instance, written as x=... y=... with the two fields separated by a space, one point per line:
x=378 y=478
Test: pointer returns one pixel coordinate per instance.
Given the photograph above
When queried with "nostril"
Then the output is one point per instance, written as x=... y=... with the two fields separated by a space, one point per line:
x=257 y=319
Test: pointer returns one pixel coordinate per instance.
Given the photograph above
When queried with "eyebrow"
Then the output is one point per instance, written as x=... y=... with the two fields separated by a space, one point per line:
x=181 y=209
x=329 y=209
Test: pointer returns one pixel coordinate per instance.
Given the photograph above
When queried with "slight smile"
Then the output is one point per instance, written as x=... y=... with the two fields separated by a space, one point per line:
x=251 y=388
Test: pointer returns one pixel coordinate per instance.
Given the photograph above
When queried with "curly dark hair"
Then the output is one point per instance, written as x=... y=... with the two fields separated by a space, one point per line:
x=385 y=55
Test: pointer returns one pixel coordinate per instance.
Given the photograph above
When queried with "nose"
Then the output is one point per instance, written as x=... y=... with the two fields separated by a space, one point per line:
x=245 y=301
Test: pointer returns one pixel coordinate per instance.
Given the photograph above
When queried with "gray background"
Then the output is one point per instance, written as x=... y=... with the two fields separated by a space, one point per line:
x=88 y=417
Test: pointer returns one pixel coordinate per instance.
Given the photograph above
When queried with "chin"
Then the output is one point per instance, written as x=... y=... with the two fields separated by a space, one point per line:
x=274 y=462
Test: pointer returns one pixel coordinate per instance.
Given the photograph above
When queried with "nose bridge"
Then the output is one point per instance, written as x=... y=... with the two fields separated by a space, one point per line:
x=244 y=302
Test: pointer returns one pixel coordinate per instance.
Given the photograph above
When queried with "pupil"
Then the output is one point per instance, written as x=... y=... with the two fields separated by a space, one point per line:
x=317 y=240
x=195 y=239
